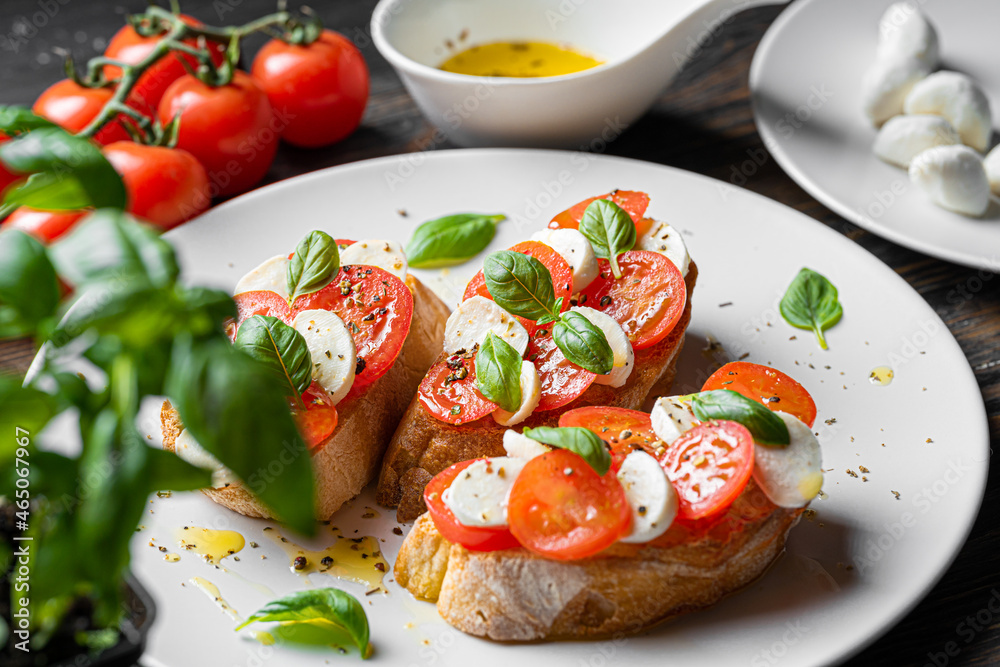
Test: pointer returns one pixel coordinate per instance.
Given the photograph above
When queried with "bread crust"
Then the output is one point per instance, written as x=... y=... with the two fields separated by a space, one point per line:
x=424 y=446
x=350 y=457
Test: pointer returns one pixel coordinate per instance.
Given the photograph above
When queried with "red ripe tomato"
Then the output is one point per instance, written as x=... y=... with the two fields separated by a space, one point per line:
x=6 y=177
x=262 y=302
x=318 y=91
x=632 y=202
x=473 y=538
x=72 y=107
x=647 y=300
x=319 y=420
x=561 y=380
x=765 y=385
x=625 y=430
x=230 y=129
x=46 y=226
x=560 y=508
x=709 y=467
x=165 y=186
x=449 y=392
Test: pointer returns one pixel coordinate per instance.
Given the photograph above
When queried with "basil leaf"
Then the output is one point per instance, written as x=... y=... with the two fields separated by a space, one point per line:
x=765 y=426
x=498 y=372
x=16 y=119
x=29 y=288
x=519 y=284
x=331 y=605
x=67 y=172
x=169 y=472
x=583 y=343
x=280 y=348
x=451 y=240
x=581 y=441
x=610 y=230
x=23 y=412
x=313 y=266
x=811 y=303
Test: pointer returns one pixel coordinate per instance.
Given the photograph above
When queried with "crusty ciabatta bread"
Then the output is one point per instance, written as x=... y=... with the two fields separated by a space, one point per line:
x=349 y=458
x=424 y=446
x=515 y=595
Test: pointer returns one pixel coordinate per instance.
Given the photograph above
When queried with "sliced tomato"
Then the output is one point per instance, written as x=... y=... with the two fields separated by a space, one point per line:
x=709 y=467
x=262 y=302
x=632 y=202
x=473 y=538
x=625 y=430
x=765 y=385
x=647 y=300
x=560 y=508
x=562 y=380
x=319 y=420
x=449 y=392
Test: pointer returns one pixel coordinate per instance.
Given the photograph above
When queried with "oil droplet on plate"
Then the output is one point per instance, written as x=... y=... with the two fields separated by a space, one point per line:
x=881 y=375
x=212 y=591
x=212 y=545
x=357 y=559
x=171 y=558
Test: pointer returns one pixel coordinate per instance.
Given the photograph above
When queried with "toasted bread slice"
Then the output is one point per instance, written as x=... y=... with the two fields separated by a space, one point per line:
x=424 y=446
x=349 y=458
x=515 y=595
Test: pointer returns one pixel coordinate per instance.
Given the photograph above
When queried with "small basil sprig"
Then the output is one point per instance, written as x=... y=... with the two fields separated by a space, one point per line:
x=498 y=372
x=766 y=427
x=29 y=288
x=280 y=348
x=313 y=266
x=451 y=240
x=520 y=284
x=329 y=605
x=610 y=230
x=581 y=441
x=811 y=303
x=583 y=343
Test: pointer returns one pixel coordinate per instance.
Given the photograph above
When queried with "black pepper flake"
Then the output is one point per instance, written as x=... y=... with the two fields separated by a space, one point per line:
x=300 y=563
x=345 y=287
x=383 y=310
x=605 y=300
x=370 y=317
x=380 y=567
x=397 y=530
x=368 y=272
x=360 y=366
x=455 y=410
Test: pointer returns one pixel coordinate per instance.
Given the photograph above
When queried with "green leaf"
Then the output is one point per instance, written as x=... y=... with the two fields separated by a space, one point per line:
x=169 y=472
x=519 y=284
x=16 y=119
x=23 y=413
x=67 y=172
x=322 y=604
x=280 y=348
x=610 y=230
x=498 y=372
x=581 y=441
x=135 y=314
x=583 y=343
x=451 y=240
x=811 y=303
x=29 y=288
x=313 y=266
x=724 y=404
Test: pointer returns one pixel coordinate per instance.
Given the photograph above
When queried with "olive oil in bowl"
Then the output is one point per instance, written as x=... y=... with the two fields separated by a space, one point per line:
x=519 y=60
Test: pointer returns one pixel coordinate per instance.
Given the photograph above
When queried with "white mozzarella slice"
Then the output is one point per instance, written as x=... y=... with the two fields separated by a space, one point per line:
x=270 y=276
x=187 y=448
x=954 y=178
x=905 y=32
x=991 y=163
x=650 y=495
x=792 y=475
x=387 y=255
x=531 y=394
x=477 y=316
x=667 y=241
x=902 y=138
x=478 y=496
x=334 y=356
x=576 y=250
x=671 y=418
x=886 y=84
x=621 y=346
x=521 y=446
x=959 y=99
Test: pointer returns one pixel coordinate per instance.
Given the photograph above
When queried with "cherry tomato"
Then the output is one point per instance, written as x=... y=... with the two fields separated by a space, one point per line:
x=230 y=129
x=632 y=202
x=473 y=538
x=318 y=91
x=709 y=466
x=560 y=508
x=625 y=430
x=765 y=385
x=46 y=226
x=647 y=300
x=6 y=177
x=561 y=380
x=319 y=420
x=449 y=392
x=165 y=186
x=72 y=107
x=261 y=302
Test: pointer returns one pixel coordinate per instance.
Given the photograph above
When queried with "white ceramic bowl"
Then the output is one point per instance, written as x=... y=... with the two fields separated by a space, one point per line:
x=643 y=43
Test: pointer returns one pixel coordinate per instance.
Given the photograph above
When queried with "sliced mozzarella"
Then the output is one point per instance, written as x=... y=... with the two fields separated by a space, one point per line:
x=959 y=99
x=905 y=32
x=954 y=178
x=334 y=356
x=478 y=496
x=576 y=250
x=790 y=476
x=667 y=241
x=650 y=496
x=621 y=346
x=671 y=418
x=269 y=276
x=886 y=84
x=387 y=255
x=474 y=318
x=902 y=138
x=521 y=446
x=531 y=394
x=992 y=166
x=187 y=448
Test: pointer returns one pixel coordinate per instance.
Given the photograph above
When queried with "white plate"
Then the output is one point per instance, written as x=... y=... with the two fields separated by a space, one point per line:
x=809 y=609
x=805 y=83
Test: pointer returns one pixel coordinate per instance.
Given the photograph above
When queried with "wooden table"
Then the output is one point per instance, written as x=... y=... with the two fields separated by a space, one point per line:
x=702 y=123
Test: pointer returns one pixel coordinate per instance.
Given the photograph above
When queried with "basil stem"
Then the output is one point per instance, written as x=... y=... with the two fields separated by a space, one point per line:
x=451 y=240
x=313 y=266
x=519 y=284
x=766 y=427
x=580 y=441
x=583 y=343
x=280 y=348
x=610 y=230
x=811 y=303
x=498 y=372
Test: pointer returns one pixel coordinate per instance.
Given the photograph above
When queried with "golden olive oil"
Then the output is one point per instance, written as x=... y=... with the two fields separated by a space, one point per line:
x=519 y=60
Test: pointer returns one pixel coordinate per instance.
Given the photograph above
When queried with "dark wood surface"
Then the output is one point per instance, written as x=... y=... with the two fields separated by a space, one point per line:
x=703 y=123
